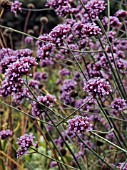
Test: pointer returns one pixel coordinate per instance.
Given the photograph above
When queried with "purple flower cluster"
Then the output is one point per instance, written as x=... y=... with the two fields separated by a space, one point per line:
x=95 y=7
x=36 y=110
x=119 y=104
x=71 y=134
x=97 y=86
x=79 y=124
x=102 y=61
x=94 y=70
x=44 y=46
x=42 y=40
x=122 y=45
x=116 y=56
x=16 y=6
x=62 y=7
x=24 y=52
x=121 y=13
x=13 y=81
x=29 y=39
x=68 y=85
x=53 y=164
x=91 y=29
x=46 y=62
x=5 y=133
x=83 y=30
x=45 y=53
x=122 y=65
x=40 y=76
x=67 y=91
x=65 y=72
x=6 y=51
x=45 y=50
x=34 y=84
x=114 y=21
x=25 y=142
x=90 y=106
x=5 y=62
x=46 y=100
x=77 y=76
x=122 y=166
x=19 y=96
x=59 y=34
x=7 y=56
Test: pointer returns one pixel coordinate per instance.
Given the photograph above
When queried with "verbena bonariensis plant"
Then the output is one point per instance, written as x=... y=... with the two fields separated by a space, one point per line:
x=69 y=85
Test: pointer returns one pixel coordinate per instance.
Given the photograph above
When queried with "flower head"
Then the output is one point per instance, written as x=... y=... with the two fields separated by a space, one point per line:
x=13 y=81
x=5 y=133
x=25 y=142
x=16 y=6
x=40 y=76
x=90 y=29
x=97 y=86
x=114 y=21
x=121 y=13
x=62 y=7
x=23 y=52
x=46 y=100
x=122 y=166
x=119 y=104
x=95 y=7
x=59 y=33
x=79 y=124
x=29 y=39
x=67 y=91
x=65 y=72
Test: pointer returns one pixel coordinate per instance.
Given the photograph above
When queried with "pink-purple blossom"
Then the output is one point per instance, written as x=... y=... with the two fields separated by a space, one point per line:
x=46 y=100
x=114 y=21
x=25 y=142
x=79 y=124
x=95 y=7
x=40 y=76
x=119 y=104
x=67 y=91
x=59 y=33
x=18 y=97
x=5 y=133
x=14 y=81
x=16 y=6
x=122 y=166
x=62 y=7
x=65 y=72
x=90 y=29
x=29 y=39
x=97 y=86
x=121 y=13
